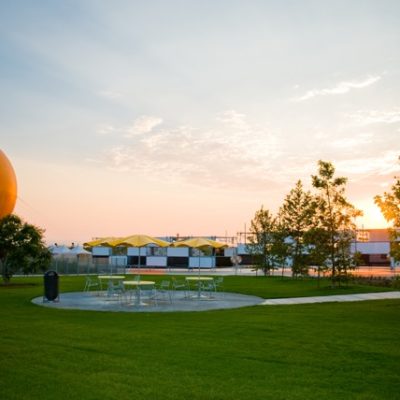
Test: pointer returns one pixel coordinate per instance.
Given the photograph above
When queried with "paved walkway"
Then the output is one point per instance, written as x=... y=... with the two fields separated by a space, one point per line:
x=89 y=301
x=336 y=298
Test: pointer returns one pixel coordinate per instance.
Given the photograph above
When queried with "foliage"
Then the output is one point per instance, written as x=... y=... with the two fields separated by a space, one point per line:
x=358 y=258
x=297 y=217
x=335 y=216
x=280 y=245
x=345 y=260
x=262 y=239
x=377 y=281
x=317 y=242
x=389 y=204
x=396 y=282
x=21 y=248
x=394 y=235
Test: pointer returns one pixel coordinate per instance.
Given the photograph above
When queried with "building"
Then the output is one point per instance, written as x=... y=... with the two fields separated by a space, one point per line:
x=161 y=257
x=373 y=244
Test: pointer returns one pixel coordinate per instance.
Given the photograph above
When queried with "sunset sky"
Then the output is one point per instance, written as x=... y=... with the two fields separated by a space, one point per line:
x=166 y=117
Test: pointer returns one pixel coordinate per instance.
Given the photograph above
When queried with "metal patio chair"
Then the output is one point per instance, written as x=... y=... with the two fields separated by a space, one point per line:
x=90 y=283
x=219 y=284
x=208 y=288
x=115 y=289
x=179 y=285
x=164 y=290
x=147 y=293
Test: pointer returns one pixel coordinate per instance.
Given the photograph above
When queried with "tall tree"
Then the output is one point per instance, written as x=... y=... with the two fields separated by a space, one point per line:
x=335 y=216
x=261 y=240
x=21 y=248
x=297 y=215
x=281 y=246
x=389 y=204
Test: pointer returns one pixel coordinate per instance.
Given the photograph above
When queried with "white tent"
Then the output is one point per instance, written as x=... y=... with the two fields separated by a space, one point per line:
x=59 y=250
x=79 y=254
x=78 y=250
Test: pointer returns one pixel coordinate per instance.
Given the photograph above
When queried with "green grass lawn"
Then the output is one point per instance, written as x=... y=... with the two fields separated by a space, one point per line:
x=262 y=286
x=319 y=351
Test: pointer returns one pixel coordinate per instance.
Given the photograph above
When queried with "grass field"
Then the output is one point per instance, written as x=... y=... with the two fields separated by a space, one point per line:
x=319 y=351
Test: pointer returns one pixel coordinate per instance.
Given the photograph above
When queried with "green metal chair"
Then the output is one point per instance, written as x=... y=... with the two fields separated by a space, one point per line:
x=164 y=290
x=90 y=283
x=178 y=284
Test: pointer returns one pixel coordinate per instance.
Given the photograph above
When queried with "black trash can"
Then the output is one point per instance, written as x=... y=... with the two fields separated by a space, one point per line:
x=51 y=286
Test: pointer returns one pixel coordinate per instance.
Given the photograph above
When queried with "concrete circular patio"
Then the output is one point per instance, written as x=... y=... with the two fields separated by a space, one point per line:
x=91 y=301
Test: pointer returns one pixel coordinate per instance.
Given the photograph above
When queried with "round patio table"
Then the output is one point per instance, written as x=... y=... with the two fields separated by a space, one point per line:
x=137 y=284
x=110 y=279
x=199 y=279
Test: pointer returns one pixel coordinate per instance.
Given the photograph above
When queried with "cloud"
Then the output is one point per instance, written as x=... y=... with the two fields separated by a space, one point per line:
x=376 y=117
x=354 y=141
x=121 y=157
x=105 y=129
x=381 y=165
x=340 y=88
x=236 y=153
x=233 y=118
x=216 y=156
x=110 y=94
x=142 y=125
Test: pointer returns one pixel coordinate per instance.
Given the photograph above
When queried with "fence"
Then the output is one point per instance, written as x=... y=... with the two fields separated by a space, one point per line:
x=68 y=267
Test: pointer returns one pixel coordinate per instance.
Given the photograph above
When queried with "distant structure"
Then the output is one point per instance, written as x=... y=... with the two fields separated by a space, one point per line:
x=374 y=247
x=372 y=244
x=8 y=186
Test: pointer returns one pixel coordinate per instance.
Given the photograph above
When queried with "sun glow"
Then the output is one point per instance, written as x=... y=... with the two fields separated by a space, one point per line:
x=372 y=218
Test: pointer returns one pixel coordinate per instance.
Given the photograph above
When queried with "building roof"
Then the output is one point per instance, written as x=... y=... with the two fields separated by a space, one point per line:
x=373 y=235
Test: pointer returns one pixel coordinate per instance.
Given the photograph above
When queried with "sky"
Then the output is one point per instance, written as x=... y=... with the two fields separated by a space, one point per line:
x=185 y=117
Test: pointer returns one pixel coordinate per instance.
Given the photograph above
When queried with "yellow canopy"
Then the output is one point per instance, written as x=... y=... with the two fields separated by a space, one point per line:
x=199 y=243
x=100 y=242
x=138 y=241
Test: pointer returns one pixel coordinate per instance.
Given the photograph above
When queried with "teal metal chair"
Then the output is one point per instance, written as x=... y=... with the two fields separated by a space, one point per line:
x=91 y=283
x=164 y=290
x=178 y=284
x=208 y=288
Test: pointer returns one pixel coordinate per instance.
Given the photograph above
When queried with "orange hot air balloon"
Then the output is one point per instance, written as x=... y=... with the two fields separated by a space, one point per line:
x=8 y=186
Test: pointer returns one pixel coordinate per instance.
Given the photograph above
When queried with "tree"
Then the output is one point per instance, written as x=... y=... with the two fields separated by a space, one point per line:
x=317 y=241
x=280 y=249
x=297 y=216
x=262 y=239
x=335 y=215
x=21 y=248
x=389 y=204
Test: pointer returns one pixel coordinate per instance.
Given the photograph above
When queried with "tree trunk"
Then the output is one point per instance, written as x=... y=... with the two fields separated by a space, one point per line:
x=4 y=273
